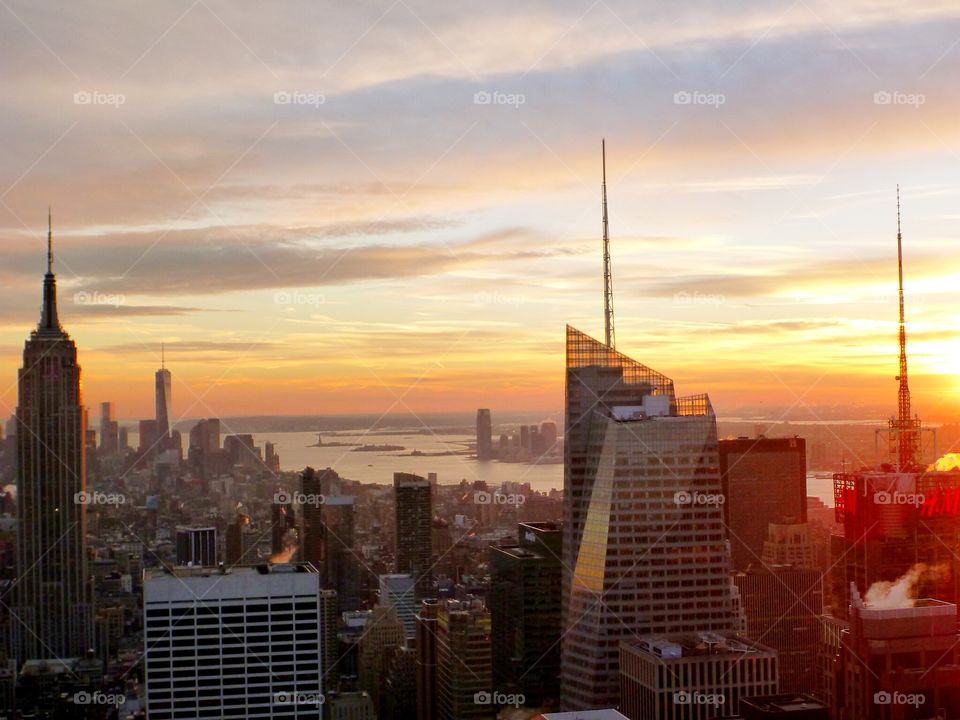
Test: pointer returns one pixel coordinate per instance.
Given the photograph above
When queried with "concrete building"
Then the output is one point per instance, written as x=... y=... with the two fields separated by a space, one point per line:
x=787 y=706
x=383 y=635
x=413 y=530
x=109 y=430
x=692 y=676
x=525 y=613
x=197 y=546
x=764 y=481
x=242 y=644
x=398 y=592
x=484 y=435
x=426 y=670
x=464 y=661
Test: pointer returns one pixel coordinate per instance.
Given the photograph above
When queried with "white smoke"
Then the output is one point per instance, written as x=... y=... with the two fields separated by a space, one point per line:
x=886 y=595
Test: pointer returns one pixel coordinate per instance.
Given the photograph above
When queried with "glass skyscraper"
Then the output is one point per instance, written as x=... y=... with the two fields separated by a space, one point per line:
x=644 y=545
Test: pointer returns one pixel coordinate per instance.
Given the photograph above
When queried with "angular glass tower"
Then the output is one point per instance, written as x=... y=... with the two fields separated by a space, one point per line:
x=644 y=545
x=53 y=616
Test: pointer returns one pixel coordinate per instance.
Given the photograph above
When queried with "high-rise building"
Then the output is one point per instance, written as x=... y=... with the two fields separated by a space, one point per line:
x=484 y=435
x=692 y=676
x=330 y=618
x=413 y=533
x=787 y=706
x=898 y=660
x=398 y=592
x=464 y=660
x=400 y=686
x=328 y=534
x=162 y=396
x=764 y=481
x=426 y=646
x=197 y=546
x=283 y=525
x=383 y=635
x=644 y=545
x=240 y=644
x=525 y=613
x=109 y=430
x=53 y=617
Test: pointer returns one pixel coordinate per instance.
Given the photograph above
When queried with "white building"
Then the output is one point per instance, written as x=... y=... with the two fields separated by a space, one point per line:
x=241 y=644
x=399 y=591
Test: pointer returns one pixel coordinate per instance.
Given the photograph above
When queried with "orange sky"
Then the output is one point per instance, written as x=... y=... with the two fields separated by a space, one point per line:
x=332 y=218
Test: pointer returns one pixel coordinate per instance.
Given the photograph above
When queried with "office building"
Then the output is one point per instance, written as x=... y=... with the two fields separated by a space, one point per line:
x=109 y=430
x=283 y=525
x=484 y=435
x=384 y=633
x=197 y=546
x=643 y=520
x=149 y=440
x=400 y=686
x=764 y=481
x=464 y=660
x=328 y=534
x=242 y=644
x=898 y=660
x=163 y=402
x=789 y=545
x=413 y=539
x=693 y=676
x=398 y=592
x=525 y=613
x=426 y=645
x=53 y=612
x=330 y=619
x=786 y=706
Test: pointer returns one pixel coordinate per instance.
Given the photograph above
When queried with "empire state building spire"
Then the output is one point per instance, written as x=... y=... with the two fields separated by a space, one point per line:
x=49 y=322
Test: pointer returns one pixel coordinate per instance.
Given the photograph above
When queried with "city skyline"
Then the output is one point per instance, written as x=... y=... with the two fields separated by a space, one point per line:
x=255 y=258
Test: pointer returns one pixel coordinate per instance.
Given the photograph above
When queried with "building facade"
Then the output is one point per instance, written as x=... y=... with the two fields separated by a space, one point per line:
x=413 y=530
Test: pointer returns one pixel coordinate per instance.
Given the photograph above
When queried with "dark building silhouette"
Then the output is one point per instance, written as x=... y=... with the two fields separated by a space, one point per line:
x=53 y=616
x=328 y=534
x=109 y=430
x=197 y=546
x=413 y=533
x=525 y=615
x=426 y=672
x=484 y=435
x=764 y=481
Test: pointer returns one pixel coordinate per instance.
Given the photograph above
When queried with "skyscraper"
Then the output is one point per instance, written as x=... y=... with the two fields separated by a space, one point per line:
x=162 y=381
x=328 y=534
x=764 y=481
x=484 y=435
x=414 y=542
x=524 y=603
x=464 y=660
x=53 y=616
x=247 y=643
x=109 y=430
x=644 y=545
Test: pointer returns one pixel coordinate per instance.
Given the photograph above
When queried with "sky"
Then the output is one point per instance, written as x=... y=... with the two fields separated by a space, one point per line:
x=327 y=207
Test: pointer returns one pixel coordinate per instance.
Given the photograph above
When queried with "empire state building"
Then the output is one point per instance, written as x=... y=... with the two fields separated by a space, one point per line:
x=53 y=615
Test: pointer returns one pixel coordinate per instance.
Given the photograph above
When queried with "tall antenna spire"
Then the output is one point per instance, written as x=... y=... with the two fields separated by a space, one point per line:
x=607 y=275
x=49 y=240
x=163 y=363
x=907 y=427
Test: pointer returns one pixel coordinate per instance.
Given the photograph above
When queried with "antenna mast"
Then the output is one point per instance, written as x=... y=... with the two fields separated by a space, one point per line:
x=907 y=427
x=607 y=275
